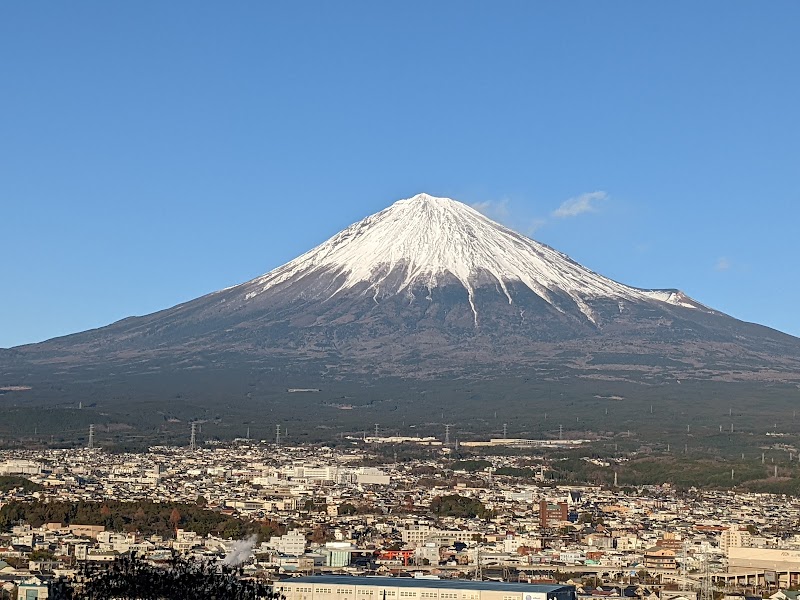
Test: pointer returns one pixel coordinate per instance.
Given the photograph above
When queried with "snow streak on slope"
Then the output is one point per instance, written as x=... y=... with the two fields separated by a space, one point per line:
x=676 y=297
x=432 y=241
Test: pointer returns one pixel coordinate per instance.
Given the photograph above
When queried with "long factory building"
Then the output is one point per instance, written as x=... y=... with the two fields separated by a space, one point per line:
x=342 y=587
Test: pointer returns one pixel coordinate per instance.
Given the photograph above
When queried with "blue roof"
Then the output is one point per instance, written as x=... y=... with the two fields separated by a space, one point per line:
x=414 y=582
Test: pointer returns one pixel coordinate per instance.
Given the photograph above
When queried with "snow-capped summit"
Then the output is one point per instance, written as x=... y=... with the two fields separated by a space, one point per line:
x=424 y=242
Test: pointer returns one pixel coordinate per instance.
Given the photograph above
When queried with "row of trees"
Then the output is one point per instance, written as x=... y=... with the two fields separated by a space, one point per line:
x=143 y=516
x=455 y=505
x=11 y=482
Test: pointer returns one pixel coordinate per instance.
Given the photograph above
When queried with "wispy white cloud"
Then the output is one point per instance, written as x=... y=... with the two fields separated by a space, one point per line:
x=534 y=226
x=722 y=264
x=501 y=211
x=494 y=209
x=579 y=205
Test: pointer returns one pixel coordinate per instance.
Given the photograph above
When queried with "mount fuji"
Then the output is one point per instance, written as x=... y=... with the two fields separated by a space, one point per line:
x=428 y=288
x=425 y=243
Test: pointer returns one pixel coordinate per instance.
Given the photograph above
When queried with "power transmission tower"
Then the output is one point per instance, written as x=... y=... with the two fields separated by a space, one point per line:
x=682 y=586
x=91 y=436
x=278 y=434
x=193 y=439
x=706 y=591
x=505 y=430
x=447 y=435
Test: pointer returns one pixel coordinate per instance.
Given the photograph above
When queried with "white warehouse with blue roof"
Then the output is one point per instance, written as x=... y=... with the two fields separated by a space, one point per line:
x=343 y=587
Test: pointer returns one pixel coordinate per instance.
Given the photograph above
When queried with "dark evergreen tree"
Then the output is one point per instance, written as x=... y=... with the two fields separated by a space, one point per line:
x=130 y=577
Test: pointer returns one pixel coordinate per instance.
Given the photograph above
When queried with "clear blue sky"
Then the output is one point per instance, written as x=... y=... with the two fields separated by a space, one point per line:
x=152 y=152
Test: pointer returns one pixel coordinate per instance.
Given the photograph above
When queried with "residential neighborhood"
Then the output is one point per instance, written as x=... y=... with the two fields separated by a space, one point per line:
x=285 y=512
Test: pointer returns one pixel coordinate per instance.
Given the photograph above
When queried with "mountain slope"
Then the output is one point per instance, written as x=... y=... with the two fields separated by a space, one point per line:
x=425 y=287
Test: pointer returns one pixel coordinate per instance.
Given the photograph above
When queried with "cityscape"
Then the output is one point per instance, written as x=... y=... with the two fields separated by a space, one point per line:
x=279 y=512
x=420 y=300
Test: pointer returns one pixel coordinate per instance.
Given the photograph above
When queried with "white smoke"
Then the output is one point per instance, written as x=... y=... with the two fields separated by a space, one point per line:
x=240 y=551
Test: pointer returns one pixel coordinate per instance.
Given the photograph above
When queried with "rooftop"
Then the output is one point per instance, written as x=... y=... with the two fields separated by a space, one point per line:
x=414 y=582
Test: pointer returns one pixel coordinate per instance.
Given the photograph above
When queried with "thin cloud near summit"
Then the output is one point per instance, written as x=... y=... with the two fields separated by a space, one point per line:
x=579 y=205
x=499 y=210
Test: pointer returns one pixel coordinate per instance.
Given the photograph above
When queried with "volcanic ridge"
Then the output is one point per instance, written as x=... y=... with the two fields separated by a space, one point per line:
x=428 y=287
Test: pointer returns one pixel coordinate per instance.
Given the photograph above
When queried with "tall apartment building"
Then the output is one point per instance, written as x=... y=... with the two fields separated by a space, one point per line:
x=659 y=558
x=733 y=538
x=552 y=515
x=292 y=543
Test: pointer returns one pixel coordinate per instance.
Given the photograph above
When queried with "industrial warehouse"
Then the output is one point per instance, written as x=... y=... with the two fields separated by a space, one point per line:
x=415 y=588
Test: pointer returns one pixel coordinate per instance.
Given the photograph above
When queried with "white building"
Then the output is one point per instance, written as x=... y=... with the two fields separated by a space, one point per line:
x=292 y=543
x=420 y=534
x=416 y=534
x=411 y=588
x=372 y=476
x=20 y=467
